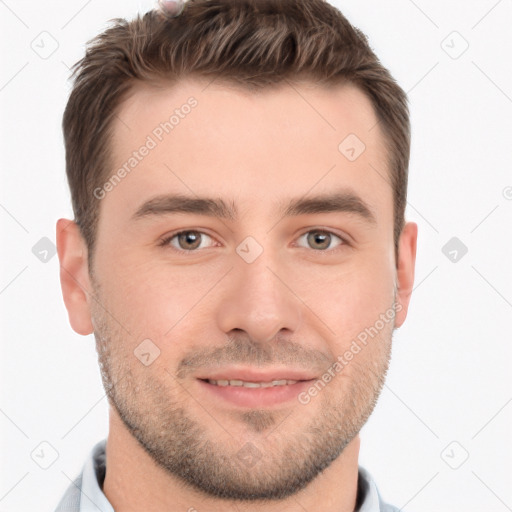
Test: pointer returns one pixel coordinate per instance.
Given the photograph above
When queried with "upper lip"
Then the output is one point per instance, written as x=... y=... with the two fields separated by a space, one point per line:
x=256 y=375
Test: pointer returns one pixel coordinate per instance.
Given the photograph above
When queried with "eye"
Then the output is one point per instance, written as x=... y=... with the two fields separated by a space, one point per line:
x=188 y=240
x=320 y=240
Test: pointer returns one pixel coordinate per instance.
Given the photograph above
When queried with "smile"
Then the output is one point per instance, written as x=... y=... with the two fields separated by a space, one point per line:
x=255 y=393
x=248 y=384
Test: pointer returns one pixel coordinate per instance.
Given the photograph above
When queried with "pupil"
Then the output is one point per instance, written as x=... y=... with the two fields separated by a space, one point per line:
x=320 y=240
x=189 y=239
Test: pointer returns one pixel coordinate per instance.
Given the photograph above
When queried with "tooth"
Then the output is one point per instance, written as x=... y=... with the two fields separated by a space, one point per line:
x=252 y=385
x=247 y=384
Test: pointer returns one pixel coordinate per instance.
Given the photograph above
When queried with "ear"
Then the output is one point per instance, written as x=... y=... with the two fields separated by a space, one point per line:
x=74 y=275
x=405 y=270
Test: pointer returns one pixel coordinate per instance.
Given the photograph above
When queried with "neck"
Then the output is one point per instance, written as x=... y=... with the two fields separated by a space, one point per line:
x=133 y=482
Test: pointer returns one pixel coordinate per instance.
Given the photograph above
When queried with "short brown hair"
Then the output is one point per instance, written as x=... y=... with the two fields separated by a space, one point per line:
x=252 y=43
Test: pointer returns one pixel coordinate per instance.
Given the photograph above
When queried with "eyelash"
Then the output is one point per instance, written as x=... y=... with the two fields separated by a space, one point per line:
x=166 y=242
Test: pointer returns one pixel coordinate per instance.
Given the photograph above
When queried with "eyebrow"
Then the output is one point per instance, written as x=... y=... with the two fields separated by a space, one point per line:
x=344 y=201
x=164 y=204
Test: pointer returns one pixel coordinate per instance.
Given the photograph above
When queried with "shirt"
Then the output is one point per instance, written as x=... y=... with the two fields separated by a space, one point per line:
x=85 y=494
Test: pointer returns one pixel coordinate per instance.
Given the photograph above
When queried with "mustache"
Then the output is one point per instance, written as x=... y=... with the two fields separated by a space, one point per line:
x=243 y=350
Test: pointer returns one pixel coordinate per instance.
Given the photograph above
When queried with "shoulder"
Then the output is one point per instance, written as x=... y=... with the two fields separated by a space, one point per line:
x=384 y=507
x=88 y=482
x=70 y=502
x=369 y=497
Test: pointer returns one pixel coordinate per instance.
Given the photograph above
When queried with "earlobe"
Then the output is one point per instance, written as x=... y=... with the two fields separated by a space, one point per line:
x=405 y=270
x=74 y=275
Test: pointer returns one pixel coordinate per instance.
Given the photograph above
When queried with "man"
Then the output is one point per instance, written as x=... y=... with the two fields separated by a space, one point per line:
x=238 y=172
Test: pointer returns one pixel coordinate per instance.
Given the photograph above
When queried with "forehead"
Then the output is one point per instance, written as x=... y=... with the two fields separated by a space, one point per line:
x=206 y=138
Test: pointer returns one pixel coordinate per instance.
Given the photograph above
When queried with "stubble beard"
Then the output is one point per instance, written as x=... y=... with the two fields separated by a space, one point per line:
x=151 y=408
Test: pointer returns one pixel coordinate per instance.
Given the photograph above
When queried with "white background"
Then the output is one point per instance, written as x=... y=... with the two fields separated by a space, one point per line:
x=450 y=377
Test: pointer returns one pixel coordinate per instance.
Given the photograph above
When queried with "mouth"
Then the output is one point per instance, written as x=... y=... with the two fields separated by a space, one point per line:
x=252 y=389
x=248 y=384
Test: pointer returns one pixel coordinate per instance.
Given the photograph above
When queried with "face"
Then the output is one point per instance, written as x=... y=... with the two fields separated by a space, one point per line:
x=245 y=282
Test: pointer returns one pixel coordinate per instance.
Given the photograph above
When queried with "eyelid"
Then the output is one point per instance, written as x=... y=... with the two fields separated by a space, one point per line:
x=166 y=239
x=345 y=239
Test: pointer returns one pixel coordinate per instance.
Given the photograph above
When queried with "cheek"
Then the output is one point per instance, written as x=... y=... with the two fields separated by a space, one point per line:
x=349 y=299
x=157 y=300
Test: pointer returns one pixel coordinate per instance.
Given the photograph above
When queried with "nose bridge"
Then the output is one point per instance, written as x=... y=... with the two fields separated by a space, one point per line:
x=259 y=288
x=257 y=301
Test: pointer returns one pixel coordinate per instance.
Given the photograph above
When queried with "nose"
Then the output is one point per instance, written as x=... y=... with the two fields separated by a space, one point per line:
x=259 y=301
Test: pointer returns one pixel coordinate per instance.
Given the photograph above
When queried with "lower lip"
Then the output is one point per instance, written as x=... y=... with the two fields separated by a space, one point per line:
x=257 y=397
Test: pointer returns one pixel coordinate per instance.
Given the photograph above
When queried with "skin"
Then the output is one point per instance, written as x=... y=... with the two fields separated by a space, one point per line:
x=297 y=305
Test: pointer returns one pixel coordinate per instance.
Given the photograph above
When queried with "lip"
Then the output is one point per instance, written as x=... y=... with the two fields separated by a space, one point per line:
x=255 y=375
x=256 y=397
x=267 y=397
